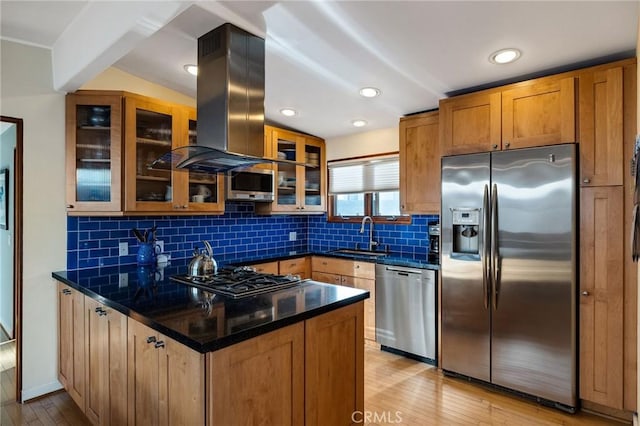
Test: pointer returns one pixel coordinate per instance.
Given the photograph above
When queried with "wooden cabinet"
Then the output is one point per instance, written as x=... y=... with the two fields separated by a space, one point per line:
x=334 y=351
x=93 y=153
x=419 y=164
x=300 y=266
x=351 y=273
x=165 y=379
x=106 y=364
x=601 y=127
x=261 y=379
x=534 y=113
x=298 y=188
x=601 y=295
x=108 y=157
x=266 y=267
x=71 y=348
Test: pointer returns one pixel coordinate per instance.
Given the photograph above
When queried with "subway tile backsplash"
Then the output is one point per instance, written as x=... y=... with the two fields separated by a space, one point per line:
x=239 y=234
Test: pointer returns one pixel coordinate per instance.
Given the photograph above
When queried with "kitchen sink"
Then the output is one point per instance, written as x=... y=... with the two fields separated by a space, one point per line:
x=359 y=252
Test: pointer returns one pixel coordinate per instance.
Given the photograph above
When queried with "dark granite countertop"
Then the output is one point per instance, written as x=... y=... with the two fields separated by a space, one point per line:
x=397 y=259
x=196 y=318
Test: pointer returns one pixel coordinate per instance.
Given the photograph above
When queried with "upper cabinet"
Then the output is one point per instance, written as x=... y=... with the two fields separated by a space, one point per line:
x=301 y=187
x=419 y=164
x=112 y=138
x=94 y=156
x=535 y=113
x=601 y=127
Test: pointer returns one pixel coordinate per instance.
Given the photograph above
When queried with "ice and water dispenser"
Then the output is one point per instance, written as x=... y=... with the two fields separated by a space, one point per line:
x=466 y=233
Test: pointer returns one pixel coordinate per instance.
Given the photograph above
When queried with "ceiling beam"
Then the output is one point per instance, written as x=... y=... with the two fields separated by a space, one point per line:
x=102 y=33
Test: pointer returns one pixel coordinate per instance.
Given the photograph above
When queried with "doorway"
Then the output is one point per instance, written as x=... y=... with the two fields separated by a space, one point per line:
x=11 y=190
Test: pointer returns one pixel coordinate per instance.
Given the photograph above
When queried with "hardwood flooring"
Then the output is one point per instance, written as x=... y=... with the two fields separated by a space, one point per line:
x=398 y=391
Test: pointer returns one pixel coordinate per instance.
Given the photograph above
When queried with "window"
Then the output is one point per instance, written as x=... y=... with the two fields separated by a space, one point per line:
x=365 y=187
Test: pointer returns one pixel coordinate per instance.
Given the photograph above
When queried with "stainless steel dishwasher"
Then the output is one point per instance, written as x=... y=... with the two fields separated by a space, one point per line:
x=406 y=310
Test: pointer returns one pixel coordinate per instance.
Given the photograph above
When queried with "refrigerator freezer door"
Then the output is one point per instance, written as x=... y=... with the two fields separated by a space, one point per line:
x=533 y=323
x=465 y=316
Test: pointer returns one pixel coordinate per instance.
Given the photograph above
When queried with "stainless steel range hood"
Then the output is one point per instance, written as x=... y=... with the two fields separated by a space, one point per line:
x=230 y=102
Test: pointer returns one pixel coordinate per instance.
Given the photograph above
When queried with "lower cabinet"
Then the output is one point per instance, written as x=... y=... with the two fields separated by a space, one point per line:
x=165 y=380
x=71 y=349
x=106 y=364
x=351 y=273
x=601 y=296
x=259 y=379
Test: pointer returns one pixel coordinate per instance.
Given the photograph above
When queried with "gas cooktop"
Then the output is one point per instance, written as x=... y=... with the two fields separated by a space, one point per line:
x=239 y=282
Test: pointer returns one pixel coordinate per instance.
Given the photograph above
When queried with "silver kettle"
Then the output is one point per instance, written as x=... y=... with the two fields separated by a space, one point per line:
x=203 y=264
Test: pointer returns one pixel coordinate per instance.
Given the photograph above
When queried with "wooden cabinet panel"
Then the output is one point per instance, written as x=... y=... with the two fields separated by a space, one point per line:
x=71 y=348
x=326 y=277
x=343 y=267
x=334 y=377
x=601 y=291
x=182 y=384
x=420 y=164
x=259 y=380
x=166 y=379
x=542 y=113
x=300 y=266
x=601 y=128
x=106 y=372
x=369 y=304
x=470 y=123
x=266 y=268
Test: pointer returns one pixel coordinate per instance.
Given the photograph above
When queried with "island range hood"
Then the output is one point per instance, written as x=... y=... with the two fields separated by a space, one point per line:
x=230 y=105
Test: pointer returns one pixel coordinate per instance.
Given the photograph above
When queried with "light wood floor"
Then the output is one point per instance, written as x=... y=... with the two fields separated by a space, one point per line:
x=398 y=391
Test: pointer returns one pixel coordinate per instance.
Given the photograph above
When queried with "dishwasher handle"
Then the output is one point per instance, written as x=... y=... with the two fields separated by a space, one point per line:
x=403 y=271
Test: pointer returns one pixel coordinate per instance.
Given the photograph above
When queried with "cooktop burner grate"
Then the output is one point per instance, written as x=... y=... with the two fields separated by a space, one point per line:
x=239 y=282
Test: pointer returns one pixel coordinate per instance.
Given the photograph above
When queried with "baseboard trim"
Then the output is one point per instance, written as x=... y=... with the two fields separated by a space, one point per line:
x=635 y=419
x=607 y=412
x=39 y=391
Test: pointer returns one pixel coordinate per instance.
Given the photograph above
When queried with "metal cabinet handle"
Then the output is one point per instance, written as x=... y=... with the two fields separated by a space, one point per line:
x=159 y=344
x=70 y=206
x=586 y=180
x=151 y=339
x=66 y=291
x=357 y=266
x=585 y=293
x=494 y=146
x=507 y=144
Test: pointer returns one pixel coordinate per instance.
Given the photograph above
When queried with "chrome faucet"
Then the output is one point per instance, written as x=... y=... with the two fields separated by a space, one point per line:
x=372 y=244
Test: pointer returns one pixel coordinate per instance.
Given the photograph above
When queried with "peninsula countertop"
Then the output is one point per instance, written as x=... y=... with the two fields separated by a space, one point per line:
x=198 y=319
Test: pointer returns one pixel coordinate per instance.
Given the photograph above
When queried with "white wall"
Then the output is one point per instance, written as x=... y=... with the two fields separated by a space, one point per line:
x=7 y=145
x=26 y=92
x=361 y=144
x=115 y=79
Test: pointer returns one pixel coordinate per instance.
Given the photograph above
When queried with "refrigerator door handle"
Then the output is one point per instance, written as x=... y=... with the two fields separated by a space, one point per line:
x=495 y=255
x=486 y=270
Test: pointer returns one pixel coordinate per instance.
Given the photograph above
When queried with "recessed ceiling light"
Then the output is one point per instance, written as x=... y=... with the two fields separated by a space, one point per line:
x=191 y=69
x=369 y=92
x=504 y=56
x=359 y=123
x=289 y=112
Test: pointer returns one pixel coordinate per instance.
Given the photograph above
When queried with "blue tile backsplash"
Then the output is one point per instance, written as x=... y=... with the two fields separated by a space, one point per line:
x=239 y=234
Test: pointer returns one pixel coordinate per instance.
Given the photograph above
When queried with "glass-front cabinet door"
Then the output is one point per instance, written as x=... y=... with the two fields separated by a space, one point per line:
x=150 y=133
x=94 y=143
x=299 y=188
x=204 y=192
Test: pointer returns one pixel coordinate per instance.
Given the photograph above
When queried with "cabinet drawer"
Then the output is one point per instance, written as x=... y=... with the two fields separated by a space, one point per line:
x=344 y=267
x=326 y=277
x=297 y=266
x=266 y=268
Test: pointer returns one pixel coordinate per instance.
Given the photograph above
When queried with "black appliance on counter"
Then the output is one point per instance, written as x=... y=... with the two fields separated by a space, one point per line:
x=238 y=282
x=434 y=243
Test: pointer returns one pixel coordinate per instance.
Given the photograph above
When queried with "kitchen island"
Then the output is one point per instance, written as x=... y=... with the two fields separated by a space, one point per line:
x=136 y=347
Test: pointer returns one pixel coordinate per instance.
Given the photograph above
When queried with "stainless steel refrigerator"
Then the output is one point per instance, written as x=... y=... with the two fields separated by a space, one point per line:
x=508 y=232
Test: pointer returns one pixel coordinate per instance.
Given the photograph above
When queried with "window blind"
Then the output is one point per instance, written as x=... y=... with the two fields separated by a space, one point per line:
x=369 y=175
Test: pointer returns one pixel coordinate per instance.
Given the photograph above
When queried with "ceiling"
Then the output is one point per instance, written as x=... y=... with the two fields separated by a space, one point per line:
x=319 y=54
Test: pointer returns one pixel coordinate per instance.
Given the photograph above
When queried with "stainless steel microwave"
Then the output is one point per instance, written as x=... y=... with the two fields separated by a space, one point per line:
x=250 y=185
